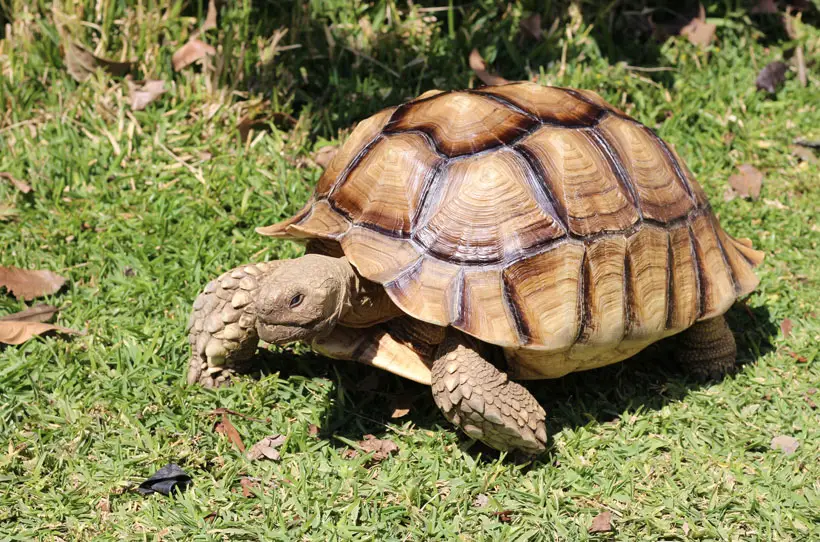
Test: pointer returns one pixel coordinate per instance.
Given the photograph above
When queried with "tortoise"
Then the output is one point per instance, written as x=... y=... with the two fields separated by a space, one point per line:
x=469 y=239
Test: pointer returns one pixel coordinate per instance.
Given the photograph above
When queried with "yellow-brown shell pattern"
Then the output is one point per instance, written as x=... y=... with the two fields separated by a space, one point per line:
x=530 y=217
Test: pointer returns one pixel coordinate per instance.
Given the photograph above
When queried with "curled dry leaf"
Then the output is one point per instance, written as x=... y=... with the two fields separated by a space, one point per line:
x=478 y=65
x=81 y=63
x=401 y=405
x=38 y=313
x=225 y=427
x=247 y=486
x=698 y=31
x=504 y=516
x=748 y=182
x=786 y=328
x=18 y=184
x=28 y=284
x=143 y=93
x=532 y=26
x=267 y=448
x=15 y=332
x=602 y=523
x=313 y=430
x=788 y=445
x=325 y=155
x=382 y=449
x=772 y=76
x=191 y=52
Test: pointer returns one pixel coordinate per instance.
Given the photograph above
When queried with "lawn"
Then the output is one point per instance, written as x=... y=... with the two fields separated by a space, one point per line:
x=138 y=209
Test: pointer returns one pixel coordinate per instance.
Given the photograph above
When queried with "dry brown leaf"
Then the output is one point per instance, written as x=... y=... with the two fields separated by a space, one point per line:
x=143 y=93
x=247 y=487
x=401 y=405
x=313 y=430
x=602 y=523
x=191 y=52
x=478 y=65
x=381 y=449
x=28 y=284
x=532 y=26
x=266 y=448
x=210 y=17
x=772 y=76
x=225 y=427
x=786 y=327
x=38 y=313
x=748 y=182
x=798 y=358
x=788 y=445
x=18 y=184
x=13 y=332
x=504 y=516
x=81 y=63
x=325 y=155
x=698 y=31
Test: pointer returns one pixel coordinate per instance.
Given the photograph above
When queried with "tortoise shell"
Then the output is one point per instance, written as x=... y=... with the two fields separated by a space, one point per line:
x=530 y=217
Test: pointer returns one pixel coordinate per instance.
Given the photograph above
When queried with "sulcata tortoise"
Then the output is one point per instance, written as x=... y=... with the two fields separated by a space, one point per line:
x=467 y=239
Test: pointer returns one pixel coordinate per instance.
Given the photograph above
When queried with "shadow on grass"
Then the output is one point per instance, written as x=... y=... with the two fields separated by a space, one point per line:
x=365 y=396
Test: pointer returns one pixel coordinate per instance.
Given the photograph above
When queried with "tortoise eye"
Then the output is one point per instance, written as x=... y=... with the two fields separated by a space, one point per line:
x=296 y=300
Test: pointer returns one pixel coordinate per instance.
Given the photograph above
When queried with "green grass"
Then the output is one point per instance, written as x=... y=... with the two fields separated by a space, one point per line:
x=140 y=209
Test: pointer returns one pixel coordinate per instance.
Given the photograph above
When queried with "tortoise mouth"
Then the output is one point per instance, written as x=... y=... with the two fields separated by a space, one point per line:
x=284 y=334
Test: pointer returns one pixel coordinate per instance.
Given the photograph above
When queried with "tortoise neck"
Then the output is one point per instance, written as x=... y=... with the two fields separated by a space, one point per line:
x=364 y=303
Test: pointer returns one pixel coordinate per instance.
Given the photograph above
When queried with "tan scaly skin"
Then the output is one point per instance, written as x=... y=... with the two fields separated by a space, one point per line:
x=304 y=299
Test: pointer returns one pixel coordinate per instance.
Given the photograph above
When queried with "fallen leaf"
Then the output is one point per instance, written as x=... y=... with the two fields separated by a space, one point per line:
x=804 y=153
x=266 y=448
x=532 y=26
x=771 y=76
x=401 y=405
x=143 y=93
x=313 y=430
x=166 y=480
x=38 y=313
x=225 y=427
x=764 y=6
x=504 y=516
x=191 y=52
x=81 y=63
x=210 y=17
x=748 y=182
x=12 y=332
x=381 y=449
x=210 y=517
x=788 y=445
x=478 y=65
x=480 y=500
x=18 y=184
x=698 y=31
x=798 y=358
x=28 y=284
x=247 y=486
x=602 y=523
x=325 y=155
x=104 y=505
x=786 y=327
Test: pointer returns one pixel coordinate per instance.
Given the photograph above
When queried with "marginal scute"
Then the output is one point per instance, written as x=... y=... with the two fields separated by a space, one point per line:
x=647 y=255
x=364 y=134
x=745 y=278
x=427 y=291
x=697 y=191
x=604 y=321
x=377 y=257
x=582 y=180
x=461 y=122
x=486 y=211
x=661 y=193
x=685 y=296
x=322 y=221
x=544 y=292
x=549 y=104
x=484 y=310
x=385 y=188
x=717 y=288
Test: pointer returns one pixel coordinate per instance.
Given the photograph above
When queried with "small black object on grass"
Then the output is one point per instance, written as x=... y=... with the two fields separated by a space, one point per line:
x=167 y=479
x=772 y=76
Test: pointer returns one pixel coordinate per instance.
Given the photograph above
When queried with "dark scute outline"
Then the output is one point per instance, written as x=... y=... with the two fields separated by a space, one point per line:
x=594 y=120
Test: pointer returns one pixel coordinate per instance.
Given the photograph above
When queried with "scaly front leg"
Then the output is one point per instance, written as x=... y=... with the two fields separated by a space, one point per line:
x=222 y=328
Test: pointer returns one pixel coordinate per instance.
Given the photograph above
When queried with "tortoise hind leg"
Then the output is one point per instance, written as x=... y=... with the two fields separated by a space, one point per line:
x=473 y=394
x=707 y=349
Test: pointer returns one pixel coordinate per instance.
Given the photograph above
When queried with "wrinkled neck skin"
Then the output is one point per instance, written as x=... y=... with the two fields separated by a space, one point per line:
x=304 y=298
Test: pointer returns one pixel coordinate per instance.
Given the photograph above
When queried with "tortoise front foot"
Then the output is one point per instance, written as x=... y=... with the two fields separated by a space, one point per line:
x=222 y=328
x=480 y=399
x=707 y=350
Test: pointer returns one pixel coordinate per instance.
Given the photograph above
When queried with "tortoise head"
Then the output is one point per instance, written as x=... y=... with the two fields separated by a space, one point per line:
x=302 y=299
